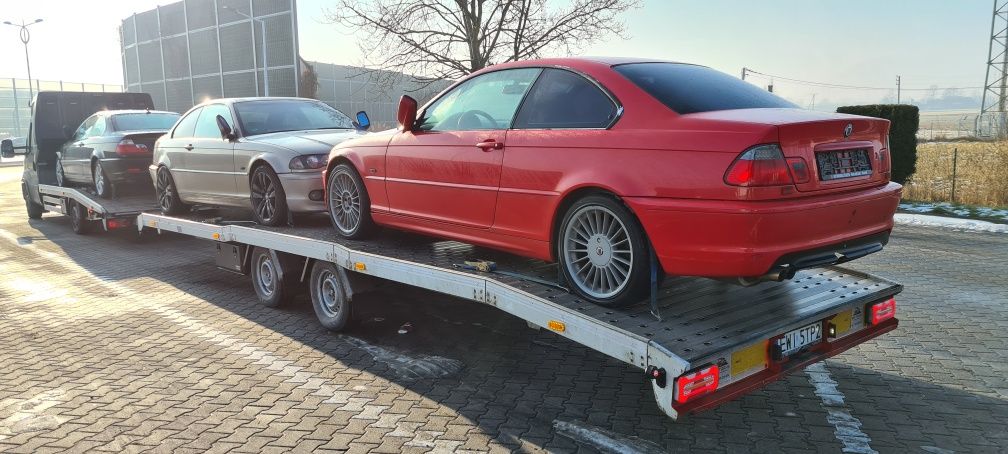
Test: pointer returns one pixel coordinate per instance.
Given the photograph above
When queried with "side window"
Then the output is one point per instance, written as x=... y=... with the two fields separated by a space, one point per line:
x=98 y=128
x=84 y=127
x=485 y=102
x=187 y=125
x=563 y=99
x=206 y=126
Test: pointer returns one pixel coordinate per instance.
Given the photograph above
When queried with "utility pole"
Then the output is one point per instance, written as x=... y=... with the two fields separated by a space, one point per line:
x=897 y=89
x=744 y=69
x=262 y=28
x=993 y=106
x=25 y=36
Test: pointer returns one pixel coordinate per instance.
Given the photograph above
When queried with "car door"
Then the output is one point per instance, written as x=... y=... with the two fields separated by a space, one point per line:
x=448 y=168
x=211 y=161
x=172 y=151
x=71 y=154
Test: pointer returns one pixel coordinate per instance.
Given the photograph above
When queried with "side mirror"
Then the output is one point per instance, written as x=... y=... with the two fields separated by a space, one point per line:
x=225 y=128
x=407 y=113
x=7 y=148
x=363 y=123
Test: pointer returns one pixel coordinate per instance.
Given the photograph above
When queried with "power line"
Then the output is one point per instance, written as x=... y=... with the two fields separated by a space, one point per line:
x=850 y=87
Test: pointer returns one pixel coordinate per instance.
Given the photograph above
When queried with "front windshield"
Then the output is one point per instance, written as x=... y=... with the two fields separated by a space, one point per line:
x=264 y=117
x=144 y=121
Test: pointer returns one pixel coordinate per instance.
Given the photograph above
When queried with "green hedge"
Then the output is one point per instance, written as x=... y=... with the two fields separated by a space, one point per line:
x=904 y=121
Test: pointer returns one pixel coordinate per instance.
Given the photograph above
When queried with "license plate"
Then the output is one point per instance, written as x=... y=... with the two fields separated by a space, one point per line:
x=834 y=165
x=800 y=338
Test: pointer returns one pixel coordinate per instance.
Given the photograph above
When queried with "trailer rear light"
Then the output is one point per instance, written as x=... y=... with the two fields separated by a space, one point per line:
x=128 y=147
x=762 y=165
x=116 y=224
x=882 y=311
x=697 y=383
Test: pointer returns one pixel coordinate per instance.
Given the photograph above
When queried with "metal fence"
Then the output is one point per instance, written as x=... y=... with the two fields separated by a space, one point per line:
x=962 y=125
x=15 y=100
x=966 y=172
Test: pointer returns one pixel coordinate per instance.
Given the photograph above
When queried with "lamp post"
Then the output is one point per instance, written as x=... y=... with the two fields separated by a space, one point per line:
x=262 y=27
x=25 y=36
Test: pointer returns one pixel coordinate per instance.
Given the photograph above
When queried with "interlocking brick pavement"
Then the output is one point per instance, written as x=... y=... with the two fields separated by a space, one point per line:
x=115 y=344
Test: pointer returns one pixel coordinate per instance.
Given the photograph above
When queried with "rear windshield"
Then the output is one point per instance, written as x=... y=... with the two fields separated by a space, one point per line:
x=690 y=88
x=144 y=121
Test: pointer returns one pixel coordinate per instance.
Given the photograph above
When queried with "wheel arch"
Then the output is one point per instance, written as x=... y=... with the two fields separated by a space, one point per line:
x=571 y=197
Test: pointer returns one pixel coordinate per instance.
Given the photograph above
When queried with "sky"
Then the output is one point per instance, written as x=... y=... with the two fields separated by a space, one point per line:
x=929 y=43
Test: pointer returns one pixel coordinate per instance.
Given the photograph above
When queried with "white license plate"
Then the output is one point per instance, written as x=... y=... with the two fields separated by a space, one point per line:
x=800 y=338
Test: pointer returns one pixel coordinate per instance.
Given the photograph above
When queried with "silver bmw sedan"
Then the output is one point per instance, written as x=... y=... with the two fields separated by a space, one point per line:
x=266 y=154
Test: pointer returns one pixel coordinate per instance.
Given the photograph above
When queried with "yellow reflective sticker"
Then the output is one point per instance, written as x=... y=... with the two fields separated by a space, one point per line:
x=842 y=321
x=557 y=326
x=360 y=266
x=748 y=358
x=216 y=236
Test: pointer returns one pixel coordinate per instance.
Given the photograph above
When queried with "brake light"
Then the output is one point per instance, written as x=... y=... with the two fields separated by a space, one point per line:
x=882 y=311
x=127 y=146
x=697 y=383
x=762 y=165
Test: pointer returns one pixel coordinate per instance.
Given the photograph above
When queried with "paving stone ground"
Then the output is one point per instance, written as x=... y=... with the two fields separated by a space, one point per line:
x=108 y=343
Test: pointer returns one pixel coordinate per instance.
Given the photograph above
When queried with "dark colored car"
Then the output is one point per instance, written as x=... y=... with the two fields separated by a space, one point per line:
x=112 y=147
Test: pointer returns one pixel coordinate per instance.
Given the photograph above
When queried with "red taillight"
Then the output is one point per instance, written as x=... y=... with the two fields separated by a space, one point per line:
x=127 y=147
x=882 y=311
x=799 y=170
x=697 y=383
x=762 y=165
x=884 y=164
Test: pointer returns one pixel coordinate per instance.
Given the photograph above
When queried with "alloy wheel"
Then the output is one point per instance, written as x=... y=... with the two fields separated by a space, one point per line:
x=164 y=190
x=345 y=202
x=598 y=251
x=99 y=179
x=264 y=193
x=60 y=177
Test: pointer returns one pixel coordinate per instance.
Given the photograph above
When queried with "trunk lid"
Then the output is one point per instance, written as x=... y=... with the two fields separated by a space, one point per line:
x=841 y=151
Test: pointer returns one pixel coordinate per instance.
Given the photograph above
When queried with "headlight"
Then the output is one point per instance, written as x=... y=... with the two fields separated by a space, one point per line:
x=308 y=162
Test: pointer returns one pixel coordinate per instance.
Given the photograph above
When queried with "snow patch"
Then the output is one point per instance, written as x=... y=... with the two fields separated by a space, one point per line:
x=951 y=223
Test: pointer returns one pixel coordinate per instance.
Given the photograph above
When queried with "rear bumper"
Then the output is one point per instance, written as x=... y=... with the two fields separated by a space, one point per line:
x=716 y=238
x=304 y=191
x=121 y=169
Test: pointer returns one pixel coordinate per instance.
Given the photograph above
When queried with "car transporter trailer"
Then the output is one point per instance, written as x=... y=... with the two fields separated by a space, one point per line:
x=710 y=341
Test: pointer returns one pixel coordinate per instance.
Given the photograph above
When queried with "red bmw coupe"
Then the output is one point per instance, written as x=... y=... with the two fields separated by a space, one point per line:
x=598 y=163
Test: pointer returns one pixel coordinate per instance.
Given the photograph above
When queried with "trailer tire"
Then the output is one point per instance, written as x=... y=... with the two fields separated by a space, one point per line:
x=329 y=295
x=34 y=210
x=270 y=278
x=78 y=219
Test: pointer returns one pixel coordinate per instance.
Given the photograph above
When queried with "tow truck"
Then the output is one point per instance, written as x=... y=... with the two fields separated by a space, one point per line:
x=699 y=342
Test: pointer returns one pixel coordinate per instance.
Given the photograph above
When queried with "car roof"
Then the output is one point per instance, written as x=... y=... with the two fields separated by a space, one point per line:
x=134 y=111
x=254 y=98
x=579 y=61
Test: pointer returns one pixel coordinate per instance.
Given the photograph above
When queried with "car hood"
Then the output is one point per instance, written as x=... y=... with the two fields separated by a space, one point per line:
x=307 y=142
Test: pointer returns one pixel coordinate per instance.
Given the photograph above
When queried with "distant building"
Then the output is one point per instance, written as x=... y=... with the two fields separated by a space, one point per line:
x=186 y=52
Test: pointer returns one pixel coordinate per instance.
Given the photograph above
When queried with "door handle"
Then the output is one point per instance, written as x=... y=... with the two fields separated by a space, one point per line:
x=490 y=144
x=79 y=144
x=189 y=147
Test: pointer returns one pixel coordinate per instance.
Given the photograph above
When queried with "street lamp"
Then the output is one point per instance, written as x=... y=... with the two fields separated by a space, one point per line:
x=262 y=26
x=25 y=37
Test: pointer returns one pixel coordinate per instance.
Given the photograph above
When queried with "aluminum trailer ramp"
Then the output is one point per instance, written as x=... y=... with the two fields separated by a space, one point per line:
x=704 y=322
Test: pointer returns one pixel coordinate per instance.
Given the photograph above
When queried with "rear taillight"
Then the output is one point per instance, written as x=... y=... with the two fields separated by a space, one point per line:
x=127 y=147
x=882 y=311
x=697 y=383
x=762 y=165
x=884 y=163
x=799 y=170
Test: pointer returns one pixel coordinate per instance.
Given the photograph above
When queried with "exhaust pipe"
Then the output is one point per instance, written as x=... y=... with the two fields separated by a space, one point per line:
x=779 y=274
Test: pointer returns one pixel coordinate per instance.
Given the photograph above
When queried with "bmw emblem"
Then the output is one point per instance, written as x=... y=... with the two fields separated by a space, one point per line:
x=847 y=130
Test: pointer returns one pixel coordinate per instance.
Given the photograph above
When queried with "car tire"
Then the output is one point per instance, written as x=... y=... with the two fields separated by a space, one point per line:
x=269 y=201
x=603 y=252
x=328 y=295
x=348 y=203
x=273 y=287
x=102 y=184
x=34 y=210
x=60 y=176
x=167 y=193
x=78 y=219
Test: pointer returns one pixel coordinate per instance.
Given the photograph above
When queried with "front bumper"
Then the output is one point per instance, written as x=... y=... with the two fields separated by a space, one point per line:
x=304 y=191
x=717 y=238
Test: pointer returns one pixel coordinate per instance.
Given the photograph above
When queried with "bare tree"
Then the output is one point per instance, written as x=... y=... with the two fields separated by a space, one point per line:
x=447 y=39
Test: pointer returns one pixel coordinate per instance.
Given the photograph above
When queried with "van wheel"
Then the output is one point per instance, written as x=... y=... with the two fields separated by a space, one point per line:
x=78 y=219
x=329 y=295
x=34 y=210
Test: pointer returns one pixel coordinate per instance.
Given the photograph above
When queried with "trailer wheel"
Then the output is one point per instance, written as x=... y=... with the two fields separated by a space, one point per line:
x=269 y=280
x=329 y=297
x=34 y=210
x=78 y=219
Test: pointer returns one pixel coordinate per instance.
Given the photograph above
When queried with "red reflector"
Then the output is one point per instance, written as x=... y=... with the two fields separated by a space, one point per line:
x=882 y=311
x=113 y=224
x=762 y=165
x=696 y=383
